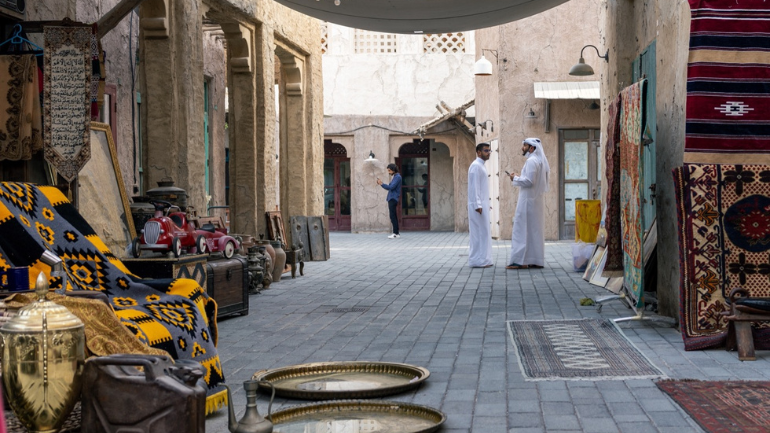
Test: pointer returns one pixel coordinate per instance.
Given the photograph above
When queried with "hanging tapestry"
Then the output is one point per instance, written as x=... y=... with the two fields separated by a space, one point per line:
x=20 y=120
x=612 y=210
x=67 y=88
x=631 y=189
x=173 y=315
x=724 y=242
x=728 y=82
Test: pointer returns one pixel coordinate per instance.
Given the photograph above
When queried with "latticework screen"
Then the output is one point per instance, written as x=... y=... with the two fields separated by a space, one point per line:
x=375 y=43
x=443 y=43
x=324 y=37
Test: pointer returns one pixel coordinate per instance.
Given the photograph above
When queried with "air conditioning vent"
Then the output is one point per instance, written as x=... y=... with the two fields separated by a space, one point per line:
x=13 y=8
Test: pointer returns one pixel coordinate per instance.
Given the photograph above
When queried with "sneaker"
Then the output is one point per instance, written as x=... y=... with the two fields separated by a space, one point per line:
x=394 y=236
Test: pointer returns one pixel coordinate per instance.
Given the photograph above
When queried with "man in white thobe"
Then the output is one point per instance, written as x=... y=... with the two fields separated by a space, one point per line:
x=528 y=239
x=480 y=255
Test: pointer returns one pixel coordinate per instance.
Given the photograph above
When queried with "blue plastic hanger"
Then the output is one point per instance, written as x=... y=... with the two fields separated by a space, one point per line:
x=17 y=39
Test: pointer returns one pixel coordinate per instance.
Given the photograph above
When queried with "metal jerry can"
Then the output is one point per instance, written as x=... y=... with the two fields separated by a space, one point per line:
x=162 y=397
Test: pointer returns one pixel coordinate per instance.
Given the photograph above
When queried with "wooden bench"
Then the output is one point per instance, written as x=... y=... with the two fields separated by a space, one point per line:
x=743 y=311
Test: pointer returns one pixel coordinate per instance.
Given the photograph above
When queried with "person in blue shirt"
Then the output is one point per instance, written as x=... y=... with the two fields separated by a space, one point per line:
x=394 y=193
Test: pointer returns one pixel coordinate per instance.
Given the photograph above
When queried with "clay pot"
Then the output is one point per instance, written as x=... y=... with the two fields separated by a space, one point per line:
x=270 y=252
x=280 y=260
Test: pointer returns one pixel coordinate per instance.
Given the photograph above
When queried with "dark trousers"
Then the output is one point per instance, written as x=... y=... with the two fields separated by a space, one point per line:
x=393 y=215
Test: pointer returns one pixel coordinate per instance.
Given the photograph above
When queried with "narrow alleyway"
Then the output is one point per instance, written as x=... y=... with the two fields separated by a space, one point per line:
x=424 y=306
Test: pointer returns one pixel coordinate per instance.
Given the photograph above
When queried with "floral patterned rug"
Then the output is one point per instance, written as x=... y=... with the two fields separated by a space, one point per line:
x=724 y=218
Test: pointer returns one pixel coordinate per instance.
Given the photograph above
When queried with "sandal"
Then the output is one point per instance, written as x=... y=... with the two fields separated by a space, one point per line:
x=535 y=267
x=517 y=267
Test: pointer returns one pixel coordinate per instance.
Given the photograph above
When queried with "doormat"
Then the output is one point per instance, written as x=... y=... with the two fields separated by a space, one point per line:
x=586 y=349
x=723 y=407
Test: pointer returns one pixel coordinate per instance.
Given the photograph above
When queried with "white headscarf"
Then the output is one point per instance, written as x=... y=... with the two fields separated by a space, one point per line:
x=539 y=153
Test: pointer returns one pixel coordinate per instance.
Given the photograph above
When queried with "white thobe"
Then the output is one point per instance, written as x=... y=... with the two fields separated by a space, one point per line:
x=478 y=198
x=528 y=239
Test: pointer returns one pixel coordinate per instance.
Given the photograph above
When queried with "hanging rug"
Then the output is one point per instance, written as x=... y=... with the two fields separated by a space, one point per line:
x=585 y=349
x=723 y=407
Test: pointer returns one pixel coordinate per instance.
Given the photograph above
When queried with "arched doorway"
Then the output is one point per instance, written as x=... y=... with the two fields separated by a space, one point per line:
x=337 y=186
x=414 y=162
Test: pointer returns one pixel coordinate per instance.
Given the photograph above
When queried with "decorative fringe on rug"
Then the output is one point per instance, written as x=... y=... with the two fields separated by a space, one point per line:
x=215 y=402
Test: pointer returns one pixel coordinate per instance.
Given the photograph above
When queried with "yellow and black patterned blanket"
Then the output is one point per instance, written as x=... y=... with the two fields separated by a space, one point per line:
x=173 y=315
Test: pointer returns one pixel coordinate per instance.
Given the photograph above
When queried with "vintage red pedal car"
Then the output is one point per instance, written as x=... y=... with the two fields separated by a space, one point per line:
x=178 y=232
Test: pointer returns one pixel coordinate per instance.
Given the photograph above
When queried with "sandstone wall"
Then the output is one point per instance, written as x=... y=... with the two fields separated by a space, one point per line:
x=409 y=82
x=541 y=48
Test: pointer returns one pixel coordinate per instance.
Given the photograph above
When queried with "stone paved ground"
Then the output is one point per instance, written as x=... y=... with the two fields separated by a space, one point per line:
x=426 y=307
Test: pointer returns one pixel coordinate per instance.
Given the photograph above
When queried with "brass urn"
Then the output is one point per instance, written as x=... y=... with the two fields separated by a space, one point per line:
x=43 y=358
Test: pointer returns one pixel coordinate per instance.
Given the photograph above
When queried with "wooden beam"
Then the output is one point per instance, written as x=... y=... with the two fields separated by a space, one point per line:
x=111 y=19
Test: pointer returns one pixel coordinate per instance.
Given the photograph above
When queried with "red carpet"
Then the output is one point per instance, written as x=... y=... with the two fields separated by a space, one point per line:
x=723 y=407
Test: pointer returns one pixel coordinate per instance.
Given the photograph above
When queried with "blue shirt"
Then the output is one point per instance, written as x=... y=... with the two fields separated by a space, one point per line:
x=394 y=188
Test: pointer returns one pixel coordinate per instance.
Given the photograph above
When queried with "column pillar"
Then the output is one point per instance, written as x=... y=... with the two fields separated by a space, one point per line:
x=294 y=139
x=172 y=61
x=242 y=128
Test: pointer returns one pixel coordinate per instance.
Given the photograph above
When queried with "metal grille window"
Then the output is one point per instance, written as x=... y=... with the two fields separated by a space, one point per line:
x=443 y=43
x=324 y=37
x=375 y=43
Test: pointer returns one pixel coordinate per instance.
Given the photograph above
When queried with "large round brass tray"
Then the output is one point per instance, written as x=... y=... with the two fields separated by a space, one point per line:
x=358 y=416
x=342 y=380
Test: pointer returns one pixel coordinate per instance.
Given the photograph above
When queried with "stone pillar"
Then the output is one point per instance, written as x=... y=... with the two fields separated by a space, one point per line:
x=243 y=128
x=294 y=138
x=266 y=116
x=172 y=60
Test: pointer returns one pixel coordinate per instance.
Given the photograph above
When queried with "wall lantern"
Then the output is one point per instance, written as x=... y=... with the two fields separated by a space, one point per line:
x=531 y=114
x=371 y=157
x=483 y=67
x=581 y=69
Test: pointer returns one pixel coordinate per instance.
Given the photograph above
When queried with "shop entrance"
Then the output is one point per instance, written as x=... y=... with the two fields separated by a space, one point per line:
x=580 y=174
x=337 y=186
x=414 y=208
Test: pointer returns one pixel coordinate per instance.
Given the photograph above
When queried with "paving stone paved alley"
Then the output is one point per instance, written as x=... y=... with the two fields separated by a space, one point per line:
x=426 y=307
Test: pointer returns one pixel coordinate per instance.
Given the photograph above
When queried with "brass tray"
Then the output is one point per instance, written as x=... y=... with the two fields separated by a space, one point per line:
x=342 y=380
x=358 y=416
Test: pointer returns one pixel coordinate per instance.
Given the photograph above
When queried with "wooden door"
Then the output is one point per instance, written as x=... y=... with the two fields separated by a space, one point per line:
x=644 y=67
x=579 y=174
x=337 y=193
x=414 y=206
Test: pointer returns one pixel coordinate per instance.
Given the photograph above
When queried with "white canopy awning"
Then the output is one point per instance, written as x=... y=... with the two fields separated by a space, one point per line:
x=420 y=16
x=568 y=90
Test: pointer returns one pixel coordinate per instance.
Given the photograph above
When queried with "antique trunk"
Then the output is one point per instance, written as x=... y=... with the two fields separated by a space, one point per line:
x=228 y=284
x=192 y=267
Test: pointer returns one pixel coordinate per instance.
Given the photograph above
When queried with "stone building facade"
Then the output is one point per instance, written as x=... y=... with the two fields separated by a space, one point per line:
x=196 y=84
x=541 y=49
x=629 y=29
x=378 y=90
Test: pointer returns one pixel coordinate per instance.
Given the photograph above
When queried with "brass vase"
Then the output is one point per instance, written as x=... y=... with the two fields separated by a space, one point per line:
x=43 y=358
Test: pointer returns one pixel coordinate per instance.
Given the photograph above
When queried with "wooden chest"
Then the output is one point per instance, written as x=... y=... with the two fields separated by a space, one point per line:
x=192 y=267
x=228 y=284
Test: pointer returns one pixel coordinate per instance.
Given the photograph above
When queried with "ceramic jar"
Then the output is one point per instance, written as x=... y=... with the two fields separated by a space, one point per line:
x=280 y=260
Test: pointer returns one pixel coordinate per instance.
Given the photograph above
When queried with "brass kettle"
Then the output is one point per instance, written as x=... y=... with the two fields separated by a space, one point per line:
x=252 y=421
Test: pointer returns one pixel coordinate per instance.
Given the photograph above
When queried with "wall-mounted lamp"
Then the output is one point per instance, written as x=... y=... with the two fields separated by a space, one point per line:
x=483 y=67
x=371 y=157
x=594 y=106
x=581 y=69
x=530 y=114
x=488 y=125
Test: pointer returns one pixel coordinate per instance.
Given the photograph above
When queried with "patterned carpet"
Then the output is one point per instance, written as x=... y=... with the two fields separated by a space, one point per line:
x=724 y=243
x=588 y=349
x=723 y=407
